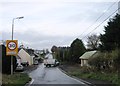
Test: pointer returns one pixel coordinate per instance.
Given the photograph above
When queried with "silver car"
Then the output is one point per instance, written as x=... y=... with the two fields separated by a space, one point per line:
x=19 y=68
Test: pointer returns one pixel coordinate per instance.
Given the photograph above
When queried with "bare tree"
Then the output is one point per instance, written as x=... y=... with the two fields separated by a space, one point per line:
x=93 y=42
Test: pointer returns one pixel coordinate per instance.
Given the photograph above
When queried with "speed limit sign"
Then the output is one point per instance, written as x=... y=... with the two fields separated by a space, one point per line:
x=12 y=47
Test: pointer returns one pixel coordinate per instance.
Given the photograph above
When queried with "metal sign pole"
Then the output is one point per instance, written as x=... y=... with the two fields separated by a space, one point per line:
x=11 y=55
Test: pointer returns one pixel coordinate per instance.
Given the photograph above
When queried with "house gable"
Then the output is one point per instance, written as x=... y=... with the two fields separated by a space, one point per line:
x=25 y=57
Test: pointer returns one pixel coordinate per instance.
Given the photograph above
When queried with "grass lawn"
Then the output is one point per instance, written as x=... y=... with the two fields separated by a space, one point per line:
x=17 y=79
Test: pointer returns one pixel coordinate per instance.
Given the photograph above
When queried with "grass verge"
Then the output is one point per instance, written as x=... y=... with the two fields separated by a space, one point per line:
x=78 y=72
x=17 y=79
x=111 y=77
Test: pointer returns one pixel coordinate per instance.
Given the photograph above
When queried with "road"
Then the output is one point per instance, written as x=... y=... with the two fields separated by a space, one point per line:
x=53 y=75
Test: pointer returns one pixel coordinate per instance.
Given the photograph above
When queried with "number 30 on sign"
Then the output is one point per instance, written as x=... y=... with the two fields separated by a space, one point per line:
x=11 y=47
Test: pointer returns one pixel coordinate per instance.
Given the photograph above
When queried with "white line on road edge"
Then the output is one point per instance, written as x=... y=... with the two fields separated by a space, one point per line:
x=31 y=82
x=75 y=78
x=82 y=80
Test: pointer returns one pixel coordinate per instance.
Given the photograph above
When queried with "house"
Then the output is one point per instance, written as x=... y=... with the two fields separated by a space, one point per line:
x=25 y=57
x=39 y=51
x=87 y=55
x=33 y=55
x=36 y=56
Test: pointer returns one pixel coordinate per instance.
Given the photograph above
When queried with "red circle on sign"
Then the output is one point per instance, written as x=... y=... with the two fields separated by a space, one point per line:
x=12 y=45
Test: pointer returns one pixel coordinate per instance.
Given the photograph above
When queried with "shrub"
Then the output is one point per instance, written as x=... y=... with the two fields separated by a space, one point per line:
x=85 y=69
x=116 y=58
x=97 y=61
x=108 y=61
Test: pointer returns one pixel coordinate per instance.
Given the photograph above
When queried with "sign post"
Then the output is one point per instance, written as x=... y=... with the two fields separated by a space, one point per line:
x=11 y=49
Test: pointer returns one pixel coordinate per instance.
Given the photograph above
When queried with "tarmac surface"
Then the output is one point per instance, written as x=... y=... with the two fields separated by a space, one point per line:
x=43 y=76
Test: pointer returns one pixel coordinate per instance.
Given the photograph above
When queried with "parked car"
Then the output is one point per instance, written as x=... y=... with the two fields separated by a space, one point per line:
x=25 y=63
x=19 y=68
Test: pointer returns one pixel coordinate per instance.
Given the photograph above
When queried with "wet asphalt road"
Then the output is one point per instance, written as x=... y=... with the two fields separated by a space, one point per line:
x=52 y=76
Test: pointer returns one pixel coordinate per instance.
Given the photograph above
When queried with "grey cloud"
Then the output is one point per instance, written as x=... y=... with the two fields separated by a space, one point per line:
x=91 y=11
x=64 y=16
x=39 y=41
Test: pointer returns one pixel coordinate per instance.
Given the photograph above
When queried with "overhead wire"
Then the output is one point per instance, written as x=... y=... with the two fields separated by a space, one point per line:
x=101 y=23
x=98 y=18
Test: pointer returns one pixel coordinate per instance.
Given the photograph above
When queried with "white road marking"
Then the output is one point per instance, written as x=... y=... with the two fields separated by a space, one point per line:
x=31 y=82
x=82 y=81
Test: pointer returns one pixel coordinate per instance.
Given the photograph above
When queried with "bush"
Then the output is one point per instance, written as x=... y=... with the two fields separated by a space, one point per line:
x=86 y=69
x=97 y=61
x=108 y=61
x=116 y=58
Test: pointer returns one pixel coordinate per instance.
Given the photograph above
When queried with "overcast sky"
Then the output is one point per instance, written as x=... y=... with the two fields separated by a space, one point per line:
x=52 y=22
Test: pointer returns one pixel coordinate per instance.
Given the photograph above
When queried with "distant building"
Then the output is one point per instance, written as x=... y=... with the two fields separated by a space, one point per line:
x=87 y=55
x=39 y=51
x=49 y=55
x=25 y=57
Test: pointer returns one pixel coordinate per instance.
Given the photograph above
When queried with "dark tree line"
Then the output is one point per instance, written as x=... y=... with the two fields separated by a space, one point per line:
x=69 y=54
x=108 y=41
x=111 y=39
x=77 y=48
x=109 y=58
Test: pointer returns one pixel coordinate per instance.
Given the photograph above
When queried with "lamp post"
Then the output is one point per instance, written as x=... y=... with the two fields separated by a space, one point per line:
x=13 y=24
x=12 y=39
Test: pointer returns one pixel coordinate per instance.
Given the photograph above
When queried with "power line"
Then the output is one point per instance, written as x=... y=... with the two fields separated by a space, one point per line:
x=101 y=23
x=98 y=18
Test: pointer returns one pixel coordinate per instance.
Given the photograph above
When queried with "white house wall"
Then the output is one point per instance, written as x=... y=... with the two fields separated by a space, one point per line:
x=32 y=59
x=84 y=62
x=25 y=56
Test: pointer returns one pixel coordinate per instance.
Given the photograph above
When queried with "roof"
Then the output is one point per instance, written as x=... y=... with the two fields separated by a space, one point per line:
x=88 y=54
x=30 y=51
x=18 y=57
x=23 y=52
x=36 y=55
x=48 y=56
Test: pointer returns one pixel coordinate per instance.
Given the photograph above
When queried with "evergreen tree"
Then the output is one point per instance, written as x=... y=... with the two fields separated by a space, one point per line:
x=77 y=48
x=111 y=39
